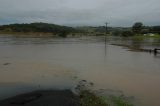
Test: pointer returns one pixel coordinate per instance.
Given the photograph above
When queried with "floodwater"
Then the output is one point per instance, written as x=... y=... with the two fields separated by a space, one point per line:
x=28 y=64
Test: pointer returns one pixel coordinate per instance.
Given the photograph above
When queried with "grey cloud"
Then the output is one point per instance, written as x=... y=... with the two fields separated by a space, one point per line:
x=80 y=12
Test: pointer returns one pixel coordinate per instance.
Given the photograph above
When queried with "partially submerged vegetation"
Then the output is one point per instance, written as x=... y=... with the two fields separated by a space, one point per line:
x=63 y=97
x=88 y=98
x=119 y=101
x=84 y=97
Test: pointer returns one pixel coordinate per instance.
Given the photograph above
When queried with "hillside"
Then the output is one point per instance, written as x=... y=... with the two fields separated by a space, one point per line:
x=37 y=28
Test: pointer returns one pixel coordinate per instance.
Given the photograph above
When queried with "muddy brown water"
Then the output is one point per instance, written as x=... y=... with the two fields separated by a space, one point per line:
x=28 y=64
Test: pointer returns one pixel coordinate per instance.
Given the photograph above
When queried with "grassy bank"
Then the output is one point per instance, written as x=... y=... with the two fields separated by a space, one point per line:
x=140 y=36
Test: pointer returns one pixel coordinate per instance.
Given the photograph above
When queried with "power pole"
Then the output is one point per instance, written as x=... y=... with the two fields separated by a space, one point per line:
x=106 y=27
x=106 y=32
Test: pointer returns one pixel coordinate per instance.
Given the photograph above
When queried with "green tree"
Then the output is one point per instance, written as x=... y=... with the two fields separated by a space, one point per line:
x=63 y=34
x=127 y=33
x=137 y=27
x=155 y=29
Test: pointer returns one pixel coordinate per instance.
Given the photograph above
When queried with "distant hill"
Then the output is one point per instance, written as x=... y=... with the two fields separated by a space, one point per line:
x=37 y=27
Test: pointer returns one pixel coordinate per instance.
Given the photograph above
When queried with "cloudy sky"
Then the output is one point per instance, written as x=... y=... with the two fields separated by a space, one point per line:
x=81 y=12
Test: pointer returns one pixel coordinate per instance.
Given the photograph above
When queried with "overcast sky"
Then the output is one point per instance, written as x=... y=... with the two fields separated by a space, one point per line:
x=81 y=12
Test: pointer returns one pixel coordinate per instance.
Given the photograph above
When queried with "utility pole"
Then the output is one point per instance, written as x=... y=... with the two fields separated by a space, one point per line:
x=106 y=27
x=106 y=32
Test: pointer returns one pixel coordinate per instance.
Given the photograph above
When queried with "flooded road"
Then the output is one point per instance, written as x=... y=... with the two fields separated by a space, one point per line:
x=28 y=64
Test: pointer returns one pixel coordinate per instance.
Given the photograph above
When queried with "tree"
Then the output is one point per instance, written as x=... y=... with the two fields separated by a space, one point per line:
x=137 y=27
x=127 y=33
x=155 y=29
x=116 y=32
x=63 y=34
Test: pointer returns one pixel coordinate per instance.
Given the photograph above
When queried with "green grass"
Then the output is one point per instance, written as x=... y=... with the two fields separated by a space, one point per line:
x=119 y=101
x=140 y=36
x=88 y=98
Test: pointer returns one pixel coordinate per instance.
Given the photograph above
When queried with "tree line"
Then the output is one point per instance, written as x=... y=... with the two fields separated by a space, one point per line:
x=38 y=27
x=138 y=29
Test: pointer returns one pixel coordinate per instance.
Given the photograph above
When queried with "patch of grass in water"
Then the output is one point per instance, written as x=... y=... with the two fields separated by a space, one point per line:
x=88 y=98
x=119 y=101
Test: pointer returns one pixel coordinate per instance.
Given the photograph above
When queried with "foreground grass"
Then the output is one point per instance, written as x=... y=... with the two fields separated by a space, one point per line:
x=118 y=101
x=88 y=98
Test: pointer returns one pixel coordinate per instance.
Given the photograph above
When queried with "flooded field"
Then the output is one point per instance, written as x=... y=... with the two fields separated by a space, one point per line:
x=28 y=64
